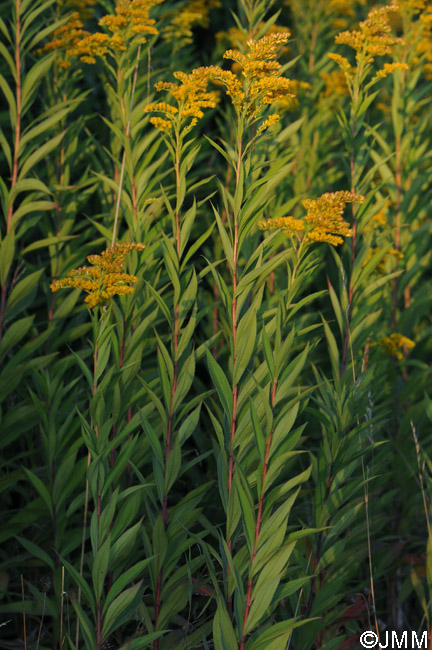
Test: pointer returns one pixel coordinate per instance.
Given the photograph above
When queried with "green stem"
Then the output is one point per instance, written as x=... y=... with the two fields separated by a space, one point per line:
x=117 y=210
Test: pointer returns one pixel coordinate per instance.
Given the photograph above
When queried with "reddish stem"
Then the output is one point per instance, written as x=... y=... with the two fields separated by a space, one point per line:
x=173 y=390
x=258 y=522
x=16 y=148
x=234 y=337
x=353 y=251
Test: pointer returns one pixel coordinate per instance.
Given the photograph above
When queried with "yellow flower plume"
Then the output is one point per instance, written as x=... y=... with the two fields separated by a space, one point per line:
x=191 y=96
x=323 y=221
x=105 y=278
x=392 y=344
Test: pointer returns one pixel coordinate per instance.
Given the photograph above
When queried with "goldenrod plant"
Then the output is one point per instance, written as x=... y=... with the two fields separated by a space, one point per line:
x=215 y=385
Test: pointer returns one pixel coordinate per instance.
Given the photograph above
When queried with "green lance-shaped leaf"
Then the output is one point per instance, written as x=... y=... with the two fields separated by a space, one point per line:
x=234 y=513
x=121 y=610
x=186 y=226
x=7 y=92
x=21 y=291
x=184 y=382
x=87 y=628
x=226 y=244
x=106 y=517
x=333 y=349
x=122 y=548
x=278 y=520
x=123 y=581
x=336 y=307
x=33 y=78
x=39 y=154
x=258 y=432
x=173 y=465
x=267 y=583
x=171 y=265
x=276 y=636
x=188 y=296
x=37 y=552
x=247 y=506
x=41 y=489
x=189 y=425
x=14 y=334
x=245 y=343
x=268 y=353
x=160 y=543
x=100 y=568
x=143 y=642
x=187 y=332
x=166 y=370
x=221 y=383
x=7 y=250
x=5 y=146
x=47 y=241
x=196 y=246
x=27 y=185
x=82 y=584
x=173 y=602
x=42 y=126
x=224 y=637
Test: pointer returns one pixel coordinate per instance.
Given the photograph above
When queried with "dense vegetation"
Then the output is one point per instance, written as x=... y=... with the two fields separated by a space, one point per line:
x=215 y=323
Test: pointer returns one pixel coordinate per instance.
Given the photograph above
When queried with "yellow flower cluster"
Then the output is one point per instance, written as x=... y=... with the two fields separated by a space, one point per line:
x=411 y=6
x=288 y=225
x=392 y=344
x=324 y=216
x=105 y=278
x=179 y=31
x=335 y=83
x=238 y=38
x=130 y=23
x=372 y=39
x=389 y=68
x=392 y=253
x=323 y=221
x=267 y=123
x=290 y=102
x=84 y=8
x=263 y=83
x=340 y=10
x=379 y=220
x=191 y=96
x=65 y=39
x=424 y=45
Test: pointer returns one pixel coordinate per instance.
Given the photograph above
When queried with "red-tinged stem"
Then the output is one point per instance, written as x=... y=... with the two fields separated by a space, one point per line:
x=215 y=287
x=234 y=343
x=18 y=107
x=353 y=248
x=98 y=626
x=258 y=523
x=16 y=148
x=173 y=387
x=319 y=542
x=234 y=337
x=167 y=451
x=177 y=216
x=122 y=344
x=398 y=226
x=314 y=36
